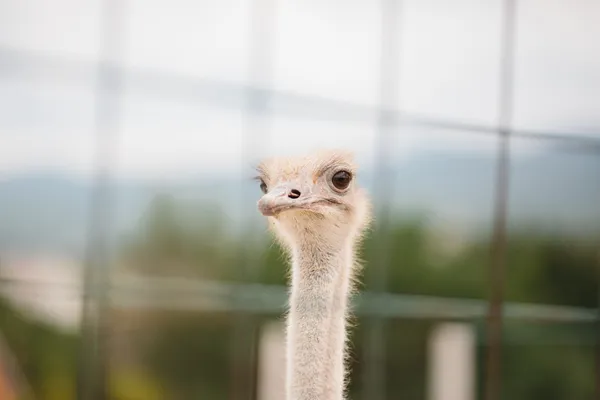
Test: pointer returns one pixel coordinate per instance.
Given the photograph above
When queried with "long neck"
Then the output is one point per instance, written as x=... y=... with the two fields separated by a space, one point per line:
x=316 y=335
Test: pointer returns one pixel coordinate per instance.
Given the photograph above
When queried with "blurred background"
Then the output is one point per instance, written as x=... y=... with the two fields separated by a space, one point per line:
x=133 y=262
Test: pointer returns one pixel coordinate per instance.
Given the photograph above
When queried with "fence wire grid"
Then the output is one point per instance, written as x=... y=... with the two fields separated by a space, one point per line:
x=249 y=300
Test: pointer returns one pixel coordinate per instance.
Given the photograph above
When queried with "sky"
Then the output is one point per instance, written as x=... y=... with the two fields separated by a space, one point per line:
x=449 y=56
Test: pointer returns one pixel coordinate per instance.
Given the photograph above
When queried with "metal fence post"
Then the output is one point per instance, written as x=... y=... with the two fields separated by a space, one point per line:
x=92 y=372
x=597 y=360
x=255 y=135
x=498 y=246
x=373 y=379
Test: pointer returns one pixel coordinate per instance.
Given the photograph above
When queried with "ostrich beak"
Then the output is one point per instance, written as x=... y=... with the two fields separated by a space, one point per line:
x=282 y=198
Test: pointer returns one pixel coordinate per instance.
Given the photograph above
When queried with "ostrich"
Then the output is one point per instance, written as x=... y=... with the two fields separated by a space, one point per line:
x=319 y=215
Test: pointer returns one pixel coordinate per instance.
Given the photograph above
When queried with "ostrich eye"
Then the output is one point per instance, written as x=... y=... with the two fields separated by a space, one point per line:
x=341 y=180
x=263 y=187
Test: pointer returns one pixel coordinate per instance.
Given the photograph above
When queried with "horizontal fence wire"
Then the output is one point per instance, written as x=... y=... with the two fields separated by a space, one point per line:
x=228 y=95
x=252 y=299
x=220 y=296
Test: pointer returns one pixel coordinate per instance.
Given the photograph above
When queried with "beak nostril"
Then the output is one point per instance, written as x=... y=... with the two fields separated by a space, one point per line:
x=294 y=194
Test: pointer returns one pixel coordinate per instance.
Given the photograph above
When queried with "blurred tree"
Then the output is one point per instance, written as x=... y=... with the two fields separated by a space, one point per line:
x=45 y=355
x=189 y=355
x=188 y=352
x=172 y=241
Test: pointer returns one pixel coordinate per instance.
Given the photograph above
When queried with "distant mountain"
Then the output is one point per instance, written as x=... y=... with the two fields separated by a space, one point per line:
x=51 y=210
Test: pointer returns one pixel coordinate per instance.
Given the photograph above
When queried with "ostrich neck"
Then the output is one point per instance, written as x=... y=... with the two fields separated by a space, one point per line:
x=317 y=321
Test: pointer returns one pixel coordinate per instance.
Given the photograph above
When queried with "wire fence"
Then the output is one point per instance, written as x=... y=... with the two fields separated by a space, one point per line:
x=249 y=300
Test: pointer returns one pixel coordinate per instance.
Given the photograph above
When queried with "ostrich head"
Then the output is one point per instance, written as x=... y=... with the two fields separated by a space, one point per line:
x=313 y=199
x=318 y=212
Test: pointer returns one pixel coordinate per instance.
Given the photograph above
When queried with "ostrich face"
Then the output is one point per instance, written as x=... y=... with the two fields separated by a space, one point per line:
x=315 y=195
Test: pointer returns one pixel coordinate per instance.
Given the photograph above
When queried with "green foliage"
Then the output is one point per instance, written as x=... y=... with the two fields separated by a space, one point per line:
x=176 y=243
x=45 y=356
x=188 y=355
x=540 y=268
